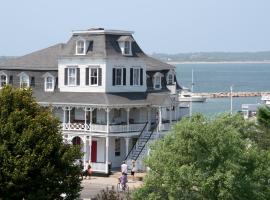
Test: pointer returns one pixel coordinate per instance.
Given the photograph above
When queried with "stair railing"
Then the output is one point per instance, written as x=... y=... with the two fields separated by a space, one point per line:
x=136 y=141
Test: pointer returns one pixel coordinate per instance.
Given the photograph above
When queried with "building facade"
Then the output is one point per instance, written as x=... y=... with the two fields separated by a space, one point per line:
x=111 y=98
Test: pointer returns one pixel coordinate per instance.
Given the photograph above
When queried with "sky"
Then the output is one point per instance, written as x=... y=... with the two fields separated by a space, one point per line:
x=171 y=26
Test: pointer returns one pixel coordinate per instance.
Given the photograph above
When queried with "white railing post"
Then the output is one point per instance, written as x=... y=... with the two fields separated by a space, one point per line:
x=160 y=117
x=108 y=119
x=107 y=154
x=127 y=119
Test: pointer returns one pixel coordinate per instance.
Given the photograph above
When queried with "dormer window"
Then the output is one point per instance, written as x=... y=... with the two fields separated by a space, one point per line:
x=49 y=82
x=125 y=44
x=24 y=80
x=127 y=48
x=157 y=81
x=80 y=47
x=170 y=77
x=3 y=80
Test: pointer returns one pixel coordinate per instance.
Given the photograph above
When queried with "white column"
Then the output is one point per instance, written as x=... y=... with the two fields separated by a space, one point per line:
x=159 y=117
x=149 y=118
x=90 y=148
x=108 y=120
x=85 y=118
x=84 y=151
x=69 y=109
x=128 y=118
x=64 y=115
x=107 y=154
x=170 y=114
x=127 y=145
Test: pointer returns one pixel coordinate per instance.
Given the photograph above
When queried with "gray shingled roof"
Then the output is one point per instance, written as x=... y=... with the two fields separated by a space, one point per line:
x=45 y=59
x=102 y=99
x=100 y=46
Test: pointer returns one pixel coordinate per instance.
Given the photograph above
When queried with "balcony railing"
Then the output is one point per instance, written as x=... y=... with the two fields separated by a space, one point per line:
x=113 y=128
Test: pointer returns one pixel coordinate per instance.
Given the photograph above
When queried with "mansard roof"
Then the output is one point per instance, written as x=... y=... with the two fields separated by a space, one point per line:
x=101 y=99
x=100 y=44
x=45 y=59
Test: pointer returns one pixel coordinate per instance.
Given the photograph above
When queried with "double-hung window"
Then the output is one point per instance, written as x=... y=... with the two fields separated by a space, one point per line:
x=49 y=83
x=80 y=47
x=170 y=79
x=3 y=80
x=136 y=76
x=127 y=47
x=157 y=82
x=119 y=76
x=24 y=80
x=71 y=76
x=93 y=76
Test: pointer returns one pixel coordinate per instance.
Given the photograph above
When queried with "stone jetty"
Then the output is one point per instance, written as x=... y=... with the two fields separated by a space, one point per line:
x=234 y=94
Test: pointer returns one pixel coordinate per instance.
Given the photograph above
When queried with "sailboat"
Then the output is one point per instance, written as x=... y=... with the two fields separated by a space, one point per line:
x=186 y=95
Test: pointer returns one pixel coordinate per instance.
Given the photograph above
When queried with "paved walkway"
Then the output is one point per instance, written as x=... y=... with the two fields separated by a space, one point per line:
x=91 y=187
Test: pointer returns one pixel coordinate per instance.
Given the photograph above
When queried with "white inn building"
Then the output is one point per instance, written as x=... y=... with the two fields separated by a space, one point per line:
x=110 y=97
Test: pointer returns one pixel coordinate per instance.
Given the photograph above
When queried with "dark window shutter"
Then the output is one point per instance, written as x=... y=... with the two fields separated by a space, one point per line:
x=66 y=76
x=141 y=76
x=87 y=76
x=124 y=76
x=32 y=82
x=11 y=80
x=99 y=76
x=113 y=76
x=78 y=76
x=56 y=83
x=131 y=76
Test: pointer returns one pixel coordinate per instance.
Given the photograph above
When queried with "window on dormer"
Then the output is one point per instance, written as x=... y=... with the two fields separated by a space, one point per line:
x=24 y=80
x=49 y=83
x=3 y=80
x=170 y=79
x=157 y=82
x=80 y=47
x=127 y=47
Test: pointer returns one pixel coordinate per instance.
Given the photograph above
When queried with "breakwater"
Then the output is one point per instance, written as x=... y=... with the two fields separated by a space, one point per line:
x=234 y=94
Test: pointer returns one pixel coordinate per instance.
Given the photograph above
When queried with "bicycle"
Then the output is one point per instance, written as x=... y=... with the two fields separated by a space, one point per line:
x=122 y=188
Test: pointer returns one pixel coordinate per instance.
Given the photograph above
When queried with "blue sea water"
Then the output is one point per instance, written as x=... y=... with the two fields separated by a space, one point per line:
x=219 y=77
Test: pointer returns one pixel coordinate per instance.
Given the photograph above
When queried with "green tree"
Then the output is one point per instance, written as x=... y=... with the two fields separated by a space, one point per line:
x=35 y=163
x=207 y=159
x=262 y=137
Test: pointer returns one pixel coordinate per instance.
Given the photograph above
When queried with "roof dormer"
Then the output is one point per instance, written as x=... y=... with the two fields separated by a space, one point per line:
x=125 y=44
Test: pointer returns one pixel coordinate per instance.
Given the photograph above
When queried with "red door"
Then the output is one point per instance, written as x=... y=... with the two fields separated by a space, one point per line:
x=94 y=151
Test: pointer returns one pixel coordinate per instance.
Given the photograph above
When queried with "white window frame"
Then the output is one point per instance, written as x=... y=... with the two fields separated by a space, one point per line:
x=69 y=76
x=27 y=81
x=46 y=82
x=157 y=79
x=138 y=78
x=128 y=48
x=122 y=76
x=78 y=46
x=1 y=81
x=90 y=75
x=170 y=81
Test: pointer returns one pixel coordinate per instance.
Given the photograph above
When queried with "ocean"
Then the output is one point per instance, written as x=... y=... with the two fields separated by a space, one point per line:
x=218 y=77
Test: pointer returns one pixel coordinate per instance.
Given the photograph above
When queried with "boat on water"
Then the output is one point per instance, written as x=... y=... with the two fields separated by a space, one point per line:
x=187 y=96
x=266 y=99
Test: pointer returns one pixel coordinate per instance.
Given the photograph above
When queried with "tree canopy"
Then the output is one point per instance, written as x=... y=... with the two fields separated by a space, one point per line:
x=208 y=159
x=263 y=135
x=35 y=163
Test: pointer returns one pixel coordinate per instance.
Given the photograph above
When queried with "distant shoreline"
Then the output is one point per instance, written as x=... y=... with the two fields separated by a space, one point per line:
x=218 y=62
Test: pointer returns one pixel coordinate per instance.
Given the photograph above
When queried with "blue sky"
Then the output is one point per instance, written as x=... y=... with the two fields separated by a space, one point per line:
x=172 y=26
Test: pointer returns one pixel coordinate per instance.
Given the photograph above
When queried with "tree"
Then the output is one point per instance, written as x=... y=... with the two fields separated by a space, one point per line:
x=207 y=159
x=35 y=163
x=263 y=135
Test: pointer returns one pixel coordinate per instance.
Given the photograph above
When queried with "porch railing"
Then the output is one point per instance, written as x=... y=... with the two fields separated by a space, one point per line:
x=113 y=128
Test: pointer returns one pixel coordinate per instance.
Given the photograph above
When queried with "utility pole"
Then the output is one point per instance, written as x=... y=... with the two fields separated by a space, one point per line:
x=231 y=88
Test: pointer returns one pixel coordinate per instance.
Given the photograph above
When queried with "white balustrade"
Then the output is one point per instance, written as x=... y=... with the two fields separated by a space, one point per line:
x=75 y=126
x=99 y=128
x=136 y=127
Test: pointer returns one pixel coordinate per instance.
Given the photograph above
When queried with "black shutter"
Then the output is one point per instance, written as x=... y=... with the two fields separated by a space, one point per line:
x=141 y=76
x=56 y=83
x=87 y=76
x=78 y=76
x=99 y=76
x=66 y=76
x=124 y=76
x=32 y=82
x=11 y=80
x=113 y=76
x=131 y=76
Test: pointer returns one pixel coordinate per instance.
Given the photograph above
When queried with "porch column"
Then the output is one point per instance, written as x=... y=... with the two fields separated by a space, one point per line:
x=128 y=109
x=149 y=118
x=64 y=115
x=108 y=119
x=107 y=154
x=175 y=112
x=84 y=151
x=170 y=114
x=90 y=148
x=159 y=117
x=69 y=109
x=85 y=118
x=127 y=145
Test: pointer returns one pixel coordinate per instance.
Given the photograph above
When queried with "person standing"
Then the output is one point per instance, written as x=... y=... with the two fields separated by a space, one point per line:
x=133 y=169
x=124 y=168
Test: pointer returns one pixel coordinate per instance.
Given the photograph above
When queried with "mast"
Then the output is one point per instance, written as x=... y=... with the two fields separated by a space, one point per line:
x=190 y=104
x=231 y=88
